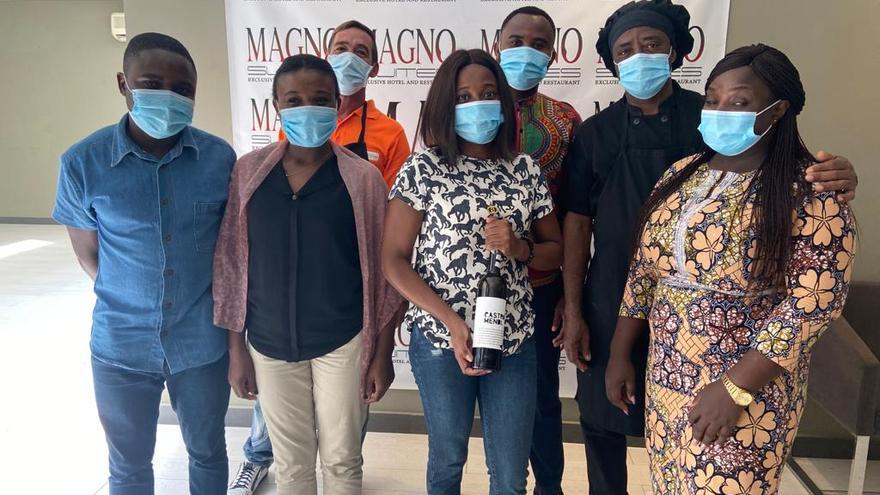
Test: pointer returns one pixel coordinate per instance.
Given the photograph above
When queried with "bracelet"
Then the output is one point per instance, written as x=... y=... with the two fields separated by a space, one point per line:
x=531 y=245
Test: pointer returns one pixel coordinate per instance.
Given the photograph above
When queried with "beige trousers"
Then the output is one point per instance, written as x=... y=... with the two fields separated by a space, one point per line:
x=310 y=407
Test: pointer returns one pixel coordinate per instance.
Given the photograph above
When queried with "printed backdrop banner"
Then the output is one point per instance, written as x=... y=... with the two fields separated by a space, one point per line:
x=413 y=37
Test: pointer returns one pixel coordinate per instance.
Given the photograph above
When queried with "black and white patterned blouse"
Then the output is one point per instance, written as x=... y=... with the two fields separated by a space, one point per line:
x=450 y=255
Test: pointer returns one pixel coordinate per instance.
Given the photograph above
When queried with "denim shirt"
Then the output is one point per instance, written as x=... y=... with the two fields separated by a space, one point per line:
x=157 y=222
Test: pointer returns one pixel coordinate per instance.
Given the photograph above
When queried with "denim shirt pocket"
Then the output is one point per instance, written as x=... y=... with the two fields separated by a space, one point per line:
x=206 y=225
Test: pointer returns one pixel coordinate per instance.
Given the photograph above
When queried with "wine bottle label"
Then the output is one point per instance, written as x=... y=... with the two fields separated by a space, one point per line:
x=490 y=318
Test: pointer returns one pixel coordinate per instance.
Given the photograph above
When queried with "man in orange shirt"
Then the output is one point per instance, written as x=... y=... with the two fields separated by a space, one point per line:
x=360 y=126
x=373 y=136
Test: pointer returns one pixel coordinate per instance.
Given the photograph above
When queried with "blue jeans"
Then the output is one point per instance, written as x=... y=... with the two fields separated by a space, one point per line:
x=507 y=412
x=128 y=406
x=258 y=448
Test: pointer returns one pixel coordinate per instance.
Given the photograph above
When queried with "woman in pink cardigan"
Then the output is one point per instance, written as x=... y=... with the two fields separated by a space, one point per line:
x=298 y=284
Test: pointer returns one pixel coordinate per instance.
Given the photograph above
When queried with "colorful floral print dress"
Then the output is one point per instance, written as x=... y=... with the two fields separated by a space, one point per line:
x=690 y=280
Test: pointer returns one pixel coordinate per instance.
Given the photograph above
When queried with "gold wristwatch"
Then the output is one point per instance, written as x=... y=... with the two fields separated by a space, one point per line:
x=740 y=396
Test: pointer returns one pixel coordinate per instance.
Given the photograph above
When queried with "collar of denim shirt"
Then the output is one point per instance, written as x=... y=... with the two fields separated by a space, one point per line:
x=123 y=145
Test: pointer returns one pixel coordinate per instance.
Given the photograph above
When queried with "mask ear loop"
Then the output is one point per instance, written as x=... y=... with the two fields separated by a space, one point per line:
x=127 y=85
x=768 y=107
x=771 y=123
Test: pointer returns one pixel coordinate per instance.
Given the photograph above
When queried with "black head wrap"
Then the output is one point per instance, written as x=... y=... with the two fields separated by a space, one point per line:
x=673 y=20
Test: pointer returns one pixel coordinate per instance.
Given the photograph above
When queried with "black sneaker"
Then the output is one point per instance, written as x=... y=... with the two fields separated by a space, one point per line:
x=248 y=479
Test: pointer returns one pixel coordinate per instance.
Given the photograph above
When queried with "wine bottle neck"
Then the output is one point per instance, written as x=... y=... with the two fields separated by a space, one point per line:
x=493 y=262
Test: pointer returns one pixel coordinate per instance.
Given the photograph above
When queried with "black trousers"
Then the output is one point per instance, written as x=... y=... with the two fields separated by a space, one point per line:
x=606 y=460
x=546 y=455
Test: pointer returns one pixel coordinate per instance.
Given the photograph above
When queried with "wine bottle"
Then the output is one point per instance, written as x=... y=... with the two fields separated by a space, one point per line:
x=490 y=318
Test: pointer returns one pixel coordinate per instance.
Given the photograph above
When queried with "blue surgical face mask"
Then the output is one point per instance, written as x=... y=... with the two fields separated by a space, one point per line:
x=308 y=127
x=478 y=121
x=524 y=67
x=159 y=112
x=351 y=71
x=643 y=75
x=731 y=133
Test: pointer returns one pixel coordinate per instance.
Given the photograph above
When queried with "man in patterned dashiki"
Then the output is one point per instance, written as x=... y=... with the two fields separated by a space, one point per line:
x=545 y=128
x=735 y=294
x=614 y=161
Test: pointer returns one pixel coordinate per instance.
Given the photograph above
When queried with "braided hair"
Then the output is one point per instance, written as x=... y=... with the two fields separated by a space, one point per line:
x=779 y=185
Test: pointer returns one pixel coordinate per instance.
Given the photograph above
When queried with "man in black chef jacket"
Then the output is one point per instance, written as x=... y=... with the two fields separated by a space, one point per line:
x=616 y=157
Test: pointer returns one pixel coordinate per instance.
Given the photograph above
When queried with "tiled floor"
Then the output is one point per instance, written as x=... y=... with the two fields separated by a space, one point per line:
x=51 y=441
x=394 y=464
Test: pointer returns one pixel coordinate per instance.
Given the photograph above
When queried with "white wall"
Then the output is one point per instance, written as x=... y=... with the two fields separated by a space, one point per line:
x=833 y=45
x=201 y=26
x=58 y=84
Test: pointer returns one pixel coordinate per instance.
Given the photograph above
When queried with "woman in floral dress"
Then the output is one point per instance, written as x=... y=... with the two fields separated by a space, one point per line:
x=739 y=269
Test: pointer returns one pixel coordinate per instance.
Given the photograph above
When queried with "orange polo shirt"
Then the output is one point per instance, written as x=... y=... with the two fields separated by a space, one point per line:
x=386 y=142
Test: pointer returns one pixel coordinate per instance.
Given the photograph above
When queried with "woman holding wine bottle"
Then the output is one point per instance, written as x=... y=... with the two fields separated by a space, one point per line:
x=477 y=215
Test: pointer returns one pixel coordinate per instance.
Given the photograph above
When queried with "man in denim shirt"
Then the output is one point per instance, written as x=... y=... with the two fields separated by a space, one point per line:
x=142 y=201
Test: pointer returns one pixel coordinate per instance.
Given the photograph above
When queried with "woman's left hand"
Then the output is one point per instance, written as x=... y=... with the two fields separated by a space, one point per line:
x=714 y=415
x=500 y=237
x=378 y=380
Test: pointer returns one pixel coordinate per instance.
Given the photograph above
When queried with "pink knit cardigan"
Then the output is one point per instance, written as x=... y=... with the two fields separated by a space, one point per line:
x=368 y=197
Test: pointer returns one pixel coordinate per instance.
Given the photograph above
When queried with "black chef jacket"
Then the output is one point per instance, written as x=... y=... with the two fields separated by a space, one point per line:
x=614 y=161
